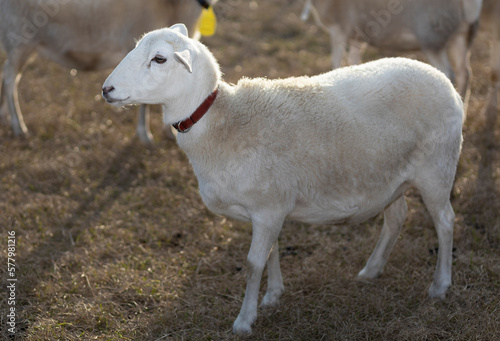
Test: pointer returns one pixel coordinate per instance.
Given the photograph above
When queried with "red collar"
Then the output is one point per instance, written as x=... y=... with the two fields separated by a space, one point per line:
x=184 y=126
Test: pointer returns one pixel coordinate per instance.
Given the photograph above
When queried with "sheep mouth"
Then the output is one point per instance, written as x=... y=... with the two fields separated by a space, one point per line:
x=115 y=101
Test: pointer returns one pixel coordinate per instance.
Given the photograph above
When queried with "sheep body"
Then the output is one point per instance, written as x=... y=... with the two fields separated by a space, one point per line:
x=85 y=35
x=322 y=123
x=338 y=147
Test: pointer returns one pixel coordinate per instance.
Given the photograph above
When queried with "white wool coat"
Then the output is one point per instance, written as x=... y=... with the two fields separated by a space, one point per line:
x=335 y=147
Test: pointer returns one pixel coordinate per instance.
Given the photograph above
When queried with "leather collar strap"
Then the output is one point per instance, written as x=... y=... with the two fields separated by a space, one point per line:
x=203 y=3
x=184 y=126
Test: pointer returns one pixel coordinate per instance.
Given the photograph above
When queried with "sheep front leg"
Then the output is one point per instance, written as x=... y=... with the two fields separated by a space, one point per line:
x=11 y=77
x=275 y=287
x=338 y=45
x=356 y=49
x=4 y=109
x=143 y=130
x=439 y=59
x=495 y=61
x=264 y=236
x=394 y=217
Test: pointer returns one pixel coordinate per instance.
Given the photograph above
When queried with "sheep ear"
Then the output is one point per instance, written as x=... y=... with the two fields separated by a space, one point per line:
x=181 y=28
x=184 y=57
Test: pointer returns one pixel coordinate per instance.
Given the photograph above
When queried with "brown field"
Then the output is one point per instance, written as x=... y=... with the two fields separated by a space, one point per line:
x=114 y=242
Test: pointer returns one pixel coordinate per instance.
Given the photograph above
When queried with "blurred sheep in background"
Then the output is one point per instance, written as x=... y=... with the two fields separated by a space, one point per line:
x=83 y=35
x=432 y=26
x=490 y=19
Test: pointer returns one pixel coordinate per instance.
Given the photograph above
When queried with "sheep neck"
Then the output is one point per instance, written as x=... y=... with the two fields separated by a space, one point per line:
x=185 y=125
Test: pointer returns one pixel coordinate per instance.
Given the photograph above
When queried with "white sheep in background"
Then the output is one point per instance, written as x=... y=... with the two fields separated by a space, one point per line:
x=84 y=35
x=433 y=26
x=490 y=18
x=334 y=148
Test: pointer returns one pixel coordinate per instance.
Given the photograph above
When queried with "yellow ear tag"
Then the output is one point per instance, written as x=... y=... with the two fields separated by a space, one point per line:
x=207 y=22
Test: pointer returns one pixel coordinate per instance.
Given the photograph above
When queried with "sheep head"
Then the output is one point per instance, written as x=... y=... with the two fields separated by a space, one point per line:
x=155 y=71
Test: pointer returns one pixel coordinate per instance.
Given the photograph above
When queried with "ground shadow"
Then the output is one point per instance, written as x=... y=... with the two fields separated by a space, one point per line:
x=120 y=173
x=485 y=188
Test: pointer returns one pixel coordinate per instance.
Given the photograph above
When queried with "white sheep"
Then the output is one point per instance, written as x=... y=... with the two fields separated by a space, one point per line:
x=490 y=19
x=433 y=26
x=334 y=148
x=84 y=35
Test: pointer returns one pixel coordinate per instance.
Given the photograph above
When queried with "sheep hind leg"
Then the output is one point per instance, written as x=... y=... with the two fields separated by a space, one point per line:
x=275 y=287
x=438 y=204
x=394 y=217
x=460 y=54
x=435 y=187
x=143 y=125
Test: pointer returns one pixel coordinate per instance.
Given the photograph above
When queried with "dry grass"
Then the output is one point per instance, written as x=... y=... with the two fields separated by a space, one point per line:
x=114 y=242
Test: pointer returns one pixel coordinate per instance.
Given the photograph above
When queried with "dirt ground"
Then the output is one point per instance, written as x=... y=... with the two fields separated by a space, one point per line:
x=114 y=242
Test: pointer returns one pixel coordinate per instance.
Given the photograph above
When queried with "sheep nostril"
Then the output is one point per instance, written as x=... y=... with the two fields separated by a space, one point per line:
x=107 y=89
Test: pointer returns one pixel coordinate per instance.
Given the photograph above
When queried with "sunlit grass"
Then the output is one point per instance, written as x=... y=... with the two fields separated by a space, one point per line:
x=114 y=242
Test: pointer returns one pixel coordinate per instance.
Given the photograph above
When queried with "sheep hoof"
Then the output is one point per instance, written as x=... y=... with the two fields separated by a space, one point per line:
x=368 y=274
x=438 y=290
x=271 y=298
x=241 y=327
x=145 y=137
x=20 y=130
x=22 y=134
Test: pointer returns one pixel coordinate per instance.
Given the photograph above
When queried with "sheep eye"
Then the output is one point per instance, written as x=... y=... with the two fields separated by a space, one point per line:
x=159 y=59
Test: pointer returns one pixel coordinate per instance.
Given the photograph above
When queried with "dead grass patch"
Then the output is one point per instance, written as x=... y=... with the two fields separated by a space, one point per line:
x=114 y=242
